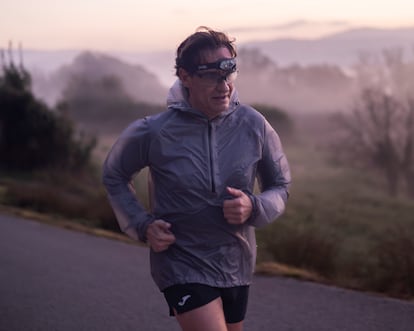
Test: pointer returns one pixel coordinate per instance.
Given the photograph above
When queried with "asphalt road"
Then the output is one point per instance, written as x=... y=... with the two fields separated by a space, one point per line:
x=57 y=279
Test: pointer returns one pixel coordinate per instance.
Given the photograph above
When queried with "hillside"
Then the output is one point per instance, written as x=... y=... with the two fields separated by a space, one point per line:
x=340 y=49
x=138 y=82
x=298 y=75
x=295 y=88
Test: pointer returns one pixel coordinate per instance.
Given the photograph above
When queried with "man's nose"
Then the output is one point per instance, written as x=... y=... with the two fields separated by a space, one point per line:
x=222 y=84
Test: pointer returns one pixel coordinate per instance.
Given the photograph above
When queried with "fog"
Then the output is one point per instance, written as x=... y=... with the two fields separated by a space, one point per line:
x=297 y=76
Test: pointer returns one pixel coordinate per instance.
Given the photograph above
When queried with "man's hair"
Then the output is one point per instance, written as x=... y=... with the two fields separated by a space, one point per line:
x=189 y=53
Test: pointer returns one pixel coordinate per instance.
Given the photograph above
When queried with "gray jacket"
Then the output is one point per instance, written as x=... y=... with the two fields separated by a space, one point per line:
x=192 y=160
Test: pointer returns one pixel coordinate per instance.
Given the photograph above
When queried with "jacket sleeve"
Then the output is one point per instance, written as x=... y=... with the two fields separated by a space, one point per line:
x=127 y=157
x=274 y=179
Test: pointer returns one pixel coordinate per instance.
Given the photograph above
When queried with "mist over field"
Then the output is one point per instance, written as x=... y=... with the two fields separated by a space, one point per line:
x=298 y=75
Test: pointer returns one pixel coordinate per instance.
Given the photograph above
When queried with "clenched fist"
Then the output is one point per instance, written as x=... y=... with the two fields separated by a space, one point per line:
x=159 y=235
x=238 y=209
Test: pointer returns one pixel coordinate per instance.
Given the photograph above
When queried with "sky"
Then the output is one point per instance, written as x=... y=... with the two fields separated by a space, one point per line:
x=138 y=25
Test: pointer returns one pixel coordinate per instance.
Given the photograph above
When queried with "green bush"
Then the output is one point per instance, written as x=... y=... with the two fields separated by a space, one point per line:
x=45 y=164
x=31 y=135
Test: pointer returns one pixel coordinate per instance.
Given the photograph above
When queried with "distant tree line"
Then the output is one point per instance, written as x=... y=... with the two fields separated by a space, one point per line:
x=298 y=88
x=102 y=105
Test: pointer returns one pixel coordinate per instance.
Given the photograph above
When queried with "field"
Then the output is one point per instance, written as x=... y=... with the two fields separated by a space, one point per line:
x=340 y=223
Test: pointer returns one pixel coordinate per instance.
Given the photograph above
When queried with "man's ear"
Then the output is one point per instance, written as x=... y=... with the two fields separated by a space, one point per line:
x=184 y=76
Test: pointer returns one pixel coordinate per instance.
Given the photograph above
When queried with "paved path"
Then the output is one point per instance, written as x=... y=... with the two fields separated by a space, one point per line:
x=56 y=279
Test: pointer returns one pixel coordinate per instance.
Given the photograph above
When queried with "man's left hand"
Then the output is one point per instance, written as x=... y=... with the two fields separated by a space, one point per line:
x=238 y=209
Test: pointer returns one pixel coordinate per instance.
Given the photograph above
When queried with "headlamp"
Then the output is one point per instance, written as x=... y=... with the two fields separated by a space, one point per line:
x=228 y=65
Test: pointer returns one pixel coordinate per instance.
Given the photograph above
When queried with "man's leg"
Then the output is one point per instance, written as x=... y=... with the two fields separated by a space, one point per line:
x=209 y=317
x=235 y=326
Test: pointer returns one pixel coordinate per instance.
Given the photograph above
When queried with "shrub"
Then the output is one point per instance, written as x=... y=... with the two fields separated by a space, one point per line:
x=303 y=247
x=31 y=135
x=69 y=196
x=394 y=262
x=102 y=105
x=278 y=118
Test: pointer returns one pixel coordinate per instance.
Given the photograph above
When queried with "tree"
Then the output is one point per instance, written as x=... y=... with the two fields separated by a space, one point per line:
x=102 y=105
x=31 y=135
x=278 y=118
x=379 y=132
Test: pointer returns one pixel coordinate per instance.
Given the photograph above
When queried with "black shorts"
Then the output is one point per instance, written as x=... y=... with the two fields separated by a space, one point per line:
x=186 y=297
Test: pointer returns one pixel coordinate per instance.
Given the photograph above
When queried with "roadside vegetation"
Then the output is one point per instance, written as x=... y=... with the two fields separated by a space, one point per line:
x=341 y=223
x=341 y=226
x=45 y=163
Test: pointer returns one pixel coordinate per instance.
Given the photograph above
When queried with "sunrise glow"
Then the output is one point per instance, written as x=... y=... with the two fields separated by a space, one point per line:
x=138 y=25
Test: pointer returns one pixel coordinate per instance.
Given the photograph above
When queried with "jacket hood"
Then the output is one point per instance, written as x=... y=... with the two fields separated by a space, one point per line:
x=178 y=99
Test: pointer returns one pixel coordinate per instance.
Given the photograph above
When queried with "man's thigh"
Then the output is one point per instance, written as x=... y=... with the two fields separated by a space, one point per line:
x=209 y=317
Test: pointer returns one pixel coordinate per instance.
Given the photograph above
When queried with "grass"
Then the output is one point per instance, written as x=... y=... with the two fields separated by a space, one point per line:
x=75 y=196
x=279 y=269
x=66 y=223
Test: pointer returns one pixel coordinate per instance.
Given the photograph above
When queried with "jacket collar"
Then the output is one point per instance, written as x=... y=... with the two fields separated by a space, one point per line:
x=178 y=99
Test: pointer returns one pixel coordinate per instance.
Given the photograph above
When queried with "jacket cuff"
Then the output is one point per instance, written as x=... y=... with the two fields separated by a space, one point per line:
x=142 y=229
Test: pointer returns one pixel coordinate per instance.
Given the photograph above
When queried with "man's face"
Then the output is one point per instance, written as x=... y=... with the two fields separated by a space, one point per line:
x=210 y=99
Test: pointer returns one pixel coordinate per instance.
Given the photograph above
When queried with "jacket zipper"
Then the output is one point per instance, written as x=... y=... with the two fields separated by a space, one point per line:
x=213 y=184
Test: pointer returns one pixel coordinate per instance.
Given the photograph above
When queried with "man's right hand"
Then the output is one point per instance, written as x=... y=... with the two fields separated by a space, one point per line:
x=159 y=235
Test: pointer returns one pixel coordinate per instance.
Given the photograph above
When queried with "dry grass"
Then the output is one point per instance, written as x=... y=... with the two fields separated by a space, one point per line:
x=65 y=223
x=279 y=269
